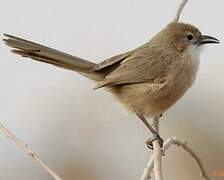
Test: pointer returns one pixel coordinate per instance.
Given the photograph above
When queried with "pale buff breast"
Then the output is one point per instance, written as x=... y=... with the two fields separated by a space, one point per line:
x=153 y=99
x=183 y=80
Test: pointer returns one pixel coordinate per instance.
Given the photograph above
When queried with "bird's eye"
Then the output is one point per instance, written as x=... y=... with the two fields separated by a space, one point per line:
x=189 y=37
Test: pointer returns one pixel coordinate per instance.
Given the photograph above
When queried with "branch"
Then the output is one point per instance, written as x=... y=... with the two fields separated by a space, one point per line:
x=189 y=150
x=148 y=169
x=29 y=152
x=157 y=153
x=179 y=10
x=155 y=159
x=174 y=141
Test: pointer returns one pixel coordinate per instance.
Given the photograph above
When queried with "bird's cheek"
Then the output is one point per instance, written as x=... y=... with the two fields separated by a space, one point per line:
x=179 y=46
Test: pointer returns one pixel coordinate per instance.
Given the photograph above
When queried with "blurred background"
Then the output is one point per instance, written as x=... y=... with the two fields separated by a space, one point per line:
x=84 y=134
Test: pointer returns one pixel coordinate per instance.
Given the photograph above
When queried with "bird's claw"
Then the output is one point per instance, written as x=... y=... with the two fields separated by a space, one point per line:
x=150 y=141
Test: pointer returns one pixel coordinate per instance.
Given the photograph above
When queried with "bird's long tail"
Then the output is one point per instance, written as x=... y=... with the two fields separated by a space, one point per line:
x=48 y=55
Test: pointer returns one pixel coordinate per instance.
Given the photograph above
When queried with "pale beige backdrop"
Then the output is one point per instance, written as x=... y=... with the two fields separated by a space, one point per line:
x=82 y=134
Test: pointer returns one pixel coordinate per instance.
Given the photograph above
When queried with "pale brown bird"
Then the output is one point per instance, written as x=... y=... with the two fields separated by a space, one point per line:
x=147 y=80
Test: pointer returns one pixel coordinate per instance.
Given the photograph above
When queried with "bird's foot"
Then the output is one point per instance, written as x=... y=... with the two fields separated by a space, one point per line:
x=155 y=137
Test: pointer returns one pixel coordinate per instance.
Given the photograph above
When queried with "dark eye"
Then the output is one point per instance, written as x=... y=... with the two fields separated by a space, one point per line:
x=189 y=37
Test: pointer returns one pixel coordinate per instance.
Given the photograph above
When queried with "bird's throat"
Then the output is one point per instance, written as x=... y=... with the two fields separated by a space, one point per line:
x=194 y=52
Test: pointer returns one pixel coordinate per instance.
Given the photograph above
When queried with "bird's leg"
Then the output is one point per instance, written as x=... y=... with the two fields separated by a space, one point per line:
x=153 y=131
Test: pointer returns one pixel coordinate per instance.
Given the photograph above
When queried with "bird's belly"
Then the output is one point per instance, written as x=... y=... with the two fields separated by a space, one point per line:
x=153 y=99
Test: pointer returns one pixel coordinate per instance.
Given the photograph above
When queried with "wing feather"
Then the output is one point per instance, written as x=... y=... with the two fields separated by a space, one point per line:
x=146 y=64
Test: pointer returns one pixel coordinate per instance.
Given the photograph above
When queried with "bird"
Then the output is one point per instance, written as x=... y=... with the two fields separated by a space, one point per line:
x=147 y=80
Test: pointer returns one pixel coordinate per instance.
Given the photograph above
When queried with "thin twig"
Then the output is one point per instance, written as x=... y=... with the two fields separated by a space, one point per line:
x=149 y=166
x=184 y=145
x=32 y=155
x=157 y=153
x=148 y=169
x=179 y=10
x=174 y=141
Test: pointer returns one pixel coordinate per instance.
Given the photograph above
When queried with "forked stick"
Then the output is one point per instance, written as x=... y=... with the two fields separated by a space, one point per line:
x=174 y=141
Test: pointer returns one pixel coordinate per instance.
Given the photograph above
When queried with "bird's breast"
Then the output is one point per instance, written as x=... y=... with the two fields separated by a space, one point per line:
x=182 y=78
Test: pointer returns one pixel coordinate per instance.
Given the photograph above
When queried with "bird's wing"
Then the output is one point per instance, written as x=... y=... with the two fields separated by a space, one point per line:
x=141 y=66
x=111 y=61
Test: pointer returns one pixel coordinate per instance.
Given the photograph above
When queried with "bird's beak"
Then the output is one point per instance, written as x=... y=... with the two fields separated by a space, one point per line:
x=208 y=40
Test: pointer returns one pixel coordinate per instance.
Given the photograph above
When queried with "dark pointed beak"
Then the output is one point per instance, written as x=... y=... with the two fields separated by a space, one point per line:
x=208 y=40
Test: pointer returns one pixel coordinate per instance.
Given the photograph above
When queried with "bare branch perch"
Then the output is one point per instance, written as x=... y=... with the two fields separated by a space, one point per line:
x=157 y=153
x=148 y=169
x=155 y=159
x=180 y=9
x=29 y=152
x=174 y=141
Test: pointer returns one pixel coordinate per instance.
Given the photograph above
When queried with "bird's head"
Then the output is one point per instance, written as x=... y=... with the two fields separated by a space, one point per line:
x=187 y=37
